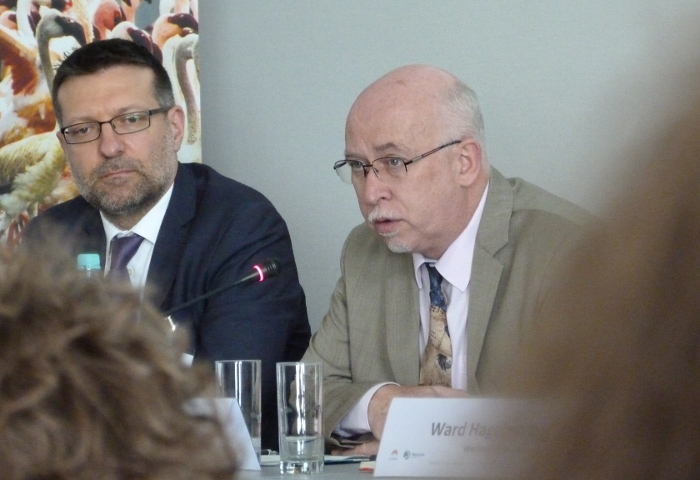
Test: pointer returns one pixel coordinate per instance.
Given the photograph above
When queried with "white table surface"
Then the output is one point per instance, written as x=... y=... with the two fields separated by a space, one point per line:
x=346 y=471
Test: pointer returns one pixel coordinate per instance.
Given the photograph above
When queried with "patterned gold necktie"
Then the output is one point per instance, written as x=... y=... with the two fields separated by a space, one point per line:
x=436 y=367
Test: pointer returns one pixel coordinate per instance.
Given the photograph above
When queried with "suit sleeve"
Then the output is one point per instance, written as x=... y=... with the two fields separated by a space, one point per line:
x=264 y=320
x=330 y=345
x=268 y=316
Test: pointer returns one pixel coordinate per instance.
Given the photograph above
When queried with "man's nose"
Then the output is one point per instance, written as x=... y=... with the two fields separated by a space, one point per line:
x=372 y=189
x=110 y=142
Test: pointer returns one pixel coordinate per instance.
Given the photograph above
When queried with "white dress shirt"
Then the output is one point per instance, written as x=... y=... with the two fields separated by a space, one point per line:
x=455 y=266
x=148 y=227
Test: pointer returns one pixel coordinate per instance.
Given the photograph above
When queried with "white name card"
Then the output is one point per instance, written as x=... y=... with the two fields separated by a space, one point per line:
x=228 y=410
x=455 y=437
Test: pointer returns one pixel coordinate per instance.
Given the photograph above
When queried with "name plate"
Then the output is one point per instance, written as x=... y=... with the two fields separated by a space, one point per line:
x=229 y=412
x=456 y=437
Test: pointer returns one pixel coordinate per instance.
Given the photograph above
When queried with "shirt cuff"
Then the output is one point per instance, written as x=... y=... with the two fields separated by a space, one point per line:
x=356 y=421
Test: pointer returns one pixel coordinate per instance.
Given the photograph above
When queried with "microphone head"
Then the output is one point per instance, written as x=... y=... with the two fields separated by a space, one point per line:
x=271 y=267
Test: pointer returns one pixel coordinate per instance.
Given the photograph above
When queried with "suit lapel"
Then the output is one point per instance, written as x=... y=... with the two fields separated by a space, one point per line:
x=402 y=318
x=173 y=234
x=486 y=270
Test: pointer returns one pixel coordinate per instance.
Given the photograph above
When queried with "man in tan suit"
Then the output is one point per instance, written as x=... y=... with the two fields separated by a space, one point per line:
x=492 y=240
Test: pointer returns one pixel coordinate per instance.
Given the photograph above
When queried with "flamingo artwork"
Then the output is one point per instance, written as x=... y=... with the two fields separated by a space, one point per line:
x=35 y=35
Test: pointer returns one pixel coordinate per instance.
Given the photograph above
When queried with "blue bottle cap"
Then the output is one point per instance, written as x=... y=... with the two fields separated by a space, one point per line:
x=89 y=261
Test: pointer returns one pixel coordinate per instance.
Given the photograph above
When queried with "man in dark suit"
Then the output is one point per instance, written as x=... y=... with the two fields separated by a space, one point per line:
x=190 y=229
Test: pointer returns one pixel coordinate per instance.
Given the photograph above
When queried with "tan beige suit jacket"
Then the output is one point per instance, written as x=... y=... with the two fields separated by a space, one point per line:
x=370 y=334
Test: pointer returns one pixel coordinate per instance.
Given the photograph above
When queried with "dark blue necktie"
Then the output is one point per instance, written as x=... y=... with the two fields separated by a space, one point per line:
x=123 y=249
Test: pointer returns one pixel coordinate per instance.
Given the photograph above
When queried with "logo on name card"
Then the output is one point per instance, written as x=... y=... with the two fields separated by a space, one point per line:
x=407 y=455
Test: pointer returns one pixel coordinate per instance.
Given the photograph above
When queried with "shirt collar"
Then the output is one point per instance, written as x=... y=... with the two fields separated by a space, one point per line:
x=148 y=227
x=455 y=265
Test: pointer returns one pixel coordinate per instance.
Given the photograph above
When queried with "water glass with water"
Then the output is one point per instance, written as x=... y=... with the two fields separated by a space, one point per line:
x=300 y=412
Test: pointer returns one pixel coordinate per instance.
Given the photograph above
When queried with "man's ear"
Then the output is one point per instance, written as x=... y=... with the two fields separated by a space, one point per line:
x=61 y=140
x=176 y=122
x=470 y=161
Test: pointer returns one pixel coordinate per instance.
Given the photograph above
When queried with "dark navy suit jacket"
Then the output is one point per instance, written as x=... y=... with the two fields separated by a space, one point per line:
x=214 y=230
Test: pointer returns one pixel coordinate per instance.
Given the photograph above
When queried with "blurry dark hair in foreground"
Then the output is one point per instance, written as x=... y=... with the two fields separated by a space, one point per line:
x=91 y=384
x=619 y=342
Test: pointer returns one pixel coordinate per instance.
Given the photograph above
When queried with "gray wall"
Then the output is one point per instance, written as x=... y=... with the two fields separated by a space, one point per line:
x=564 y=86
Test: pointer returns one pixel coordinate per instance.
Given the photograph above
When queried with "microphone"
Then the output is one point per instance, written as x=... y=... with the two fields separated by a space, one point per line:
x=269 y=268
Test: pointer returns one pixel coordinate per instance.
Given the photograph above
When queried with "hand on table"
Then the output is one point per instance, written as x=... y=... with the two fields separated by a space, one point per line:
x=381 y=400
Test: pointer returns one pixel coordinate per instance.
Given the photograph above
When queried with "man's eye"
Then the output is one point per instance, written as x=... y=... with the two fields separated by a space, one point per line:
x=355 y=165
x=394 y=162
x=80 y=130
x=132 y=118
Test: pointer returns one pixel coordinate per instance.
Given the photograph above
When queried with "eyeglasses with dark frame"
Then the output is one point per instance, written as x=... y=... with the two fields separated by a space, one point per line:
x=385 y=168
x=131 y=122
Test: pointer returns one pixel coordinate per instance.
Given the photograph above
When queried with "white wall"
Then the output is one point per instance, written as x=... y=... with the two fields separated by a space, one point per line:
x=563 y=86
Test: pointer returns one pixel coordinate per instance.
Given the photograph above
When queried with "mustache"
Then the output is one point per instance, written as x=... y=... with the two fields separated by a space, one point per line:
x=115 y=165
x=378 y=215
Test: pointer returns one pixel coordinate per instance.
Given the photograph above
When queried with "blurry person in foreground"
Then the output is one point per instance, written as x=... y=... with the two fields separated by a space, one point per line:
x=620 y=343
x=91 y=385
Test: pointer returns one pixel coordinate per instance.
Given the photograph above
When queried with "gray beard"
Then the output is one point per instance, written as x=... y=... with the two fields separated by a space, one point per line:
x=397 y=246
x=145 y=195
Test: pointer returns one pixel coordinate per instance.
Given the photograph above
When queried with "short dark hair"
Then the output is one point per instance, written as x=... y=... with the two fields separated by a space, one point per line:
x=105 y=54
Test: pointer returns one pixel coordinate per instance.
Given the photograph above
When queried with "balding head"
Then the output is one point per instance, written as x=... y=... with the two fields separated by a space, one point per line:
x=448 y=106
x=411 y=82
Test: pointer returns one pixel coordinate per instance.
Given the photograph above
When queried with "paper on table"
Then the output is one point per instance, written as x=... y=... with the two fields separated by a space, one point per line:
x=274 y=460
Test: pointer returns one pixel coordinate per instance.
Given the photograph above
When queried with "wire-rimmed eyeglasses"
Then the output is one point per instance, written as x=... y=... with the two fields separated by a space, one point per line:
x=131 y=122
x=385 y=168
